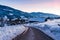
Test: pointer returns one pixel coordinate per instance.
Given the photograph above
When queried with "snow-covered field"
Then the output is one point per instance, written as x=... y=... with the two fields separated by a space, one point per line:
x=9 y=32
x=50 y=27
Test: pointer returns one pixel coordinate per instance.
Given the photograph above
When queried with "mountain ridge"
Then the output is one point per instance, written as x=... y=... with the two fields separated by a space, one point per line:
x=11 y=12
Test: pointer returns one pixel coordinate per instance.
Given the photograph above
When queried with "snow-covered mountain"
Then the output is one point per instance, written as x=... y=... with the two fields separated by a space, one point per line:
x=11 y=12
x=50 y=27
x=14 y=13
x=40 y=14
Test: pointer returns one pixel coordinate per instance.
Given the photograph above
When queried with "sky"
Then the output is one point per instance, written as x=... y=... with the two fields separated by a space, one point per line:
x=46 y=6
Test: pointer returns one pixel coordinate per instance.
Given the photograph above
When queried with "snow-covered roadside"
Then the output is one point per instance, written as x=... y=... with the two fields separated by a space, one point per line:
x=50 y=28
x=42 y=28
x=9 y=32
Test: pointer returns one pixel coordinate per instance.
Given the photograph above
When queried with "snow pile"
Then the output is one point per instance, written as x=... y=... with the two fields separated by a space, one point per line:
x=50 y=28
x=9 y=32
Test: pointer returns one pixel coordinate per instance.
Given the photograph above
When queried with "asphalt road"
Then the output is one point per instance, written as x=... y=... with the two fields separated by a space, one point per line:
x=33 y=34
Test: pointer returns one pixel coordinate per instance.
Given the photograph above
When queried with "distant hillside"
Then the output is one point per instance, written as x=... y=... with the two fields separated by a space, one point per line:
x=14 y=13
x=40 y=14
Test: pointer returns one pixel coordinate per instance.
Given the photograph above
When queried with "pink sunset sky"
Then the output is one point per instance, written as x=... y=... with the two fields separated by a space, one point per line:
x=46 y=6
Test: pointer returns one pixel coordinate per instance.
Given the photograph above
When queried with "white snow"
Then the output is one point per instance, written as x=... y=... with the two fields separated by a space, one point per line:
x=9 y=32
x=50 y=28
x=10 y=13
x=8 y=10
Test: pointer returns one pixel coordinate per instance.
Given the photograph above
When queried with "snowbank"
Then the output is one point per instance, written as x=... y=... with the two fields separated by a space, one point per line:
x=9 y=32
x=50 y=28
